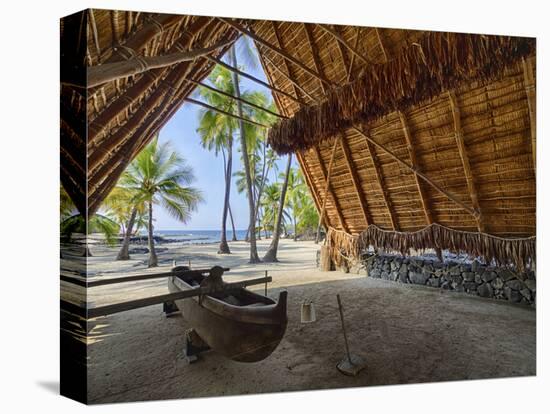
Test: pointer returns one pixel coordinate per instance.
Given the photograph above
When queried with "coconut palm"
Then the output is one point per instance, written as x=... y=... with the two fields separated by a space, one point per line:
x=254 y=258
x=159 y=175
x=296 y=199
x=271 y=254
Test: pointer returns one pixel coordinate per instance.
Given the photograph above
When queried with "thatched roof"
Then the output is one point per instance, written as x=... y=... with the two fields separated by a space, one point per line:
x=413 y=128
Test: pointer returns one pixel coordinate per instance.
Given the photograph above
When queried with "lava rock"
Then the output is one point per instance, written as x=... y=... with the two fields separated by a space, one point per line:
x=526 y=293
x=488 y=276
x=477 y=279
x=375 y=273
x=403 y=276
x=470 y=286
x=434 y=282
x=418 y=278
x=512 y=295
x=485 y=290
x=468 y=276
x=515 y=284
x=497 y=283
x=531 y=284
x=506 y=274
x=475 y=266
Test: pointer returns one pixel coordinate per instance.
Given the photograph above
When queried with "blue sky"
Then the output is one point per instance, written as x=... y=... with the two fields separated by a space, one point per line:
x=180 y=130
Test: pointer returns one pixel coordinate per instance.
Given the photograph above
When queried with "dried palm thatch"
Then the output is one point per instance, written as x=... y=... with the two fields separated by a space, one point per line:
x=520 y=253
x=436 y=63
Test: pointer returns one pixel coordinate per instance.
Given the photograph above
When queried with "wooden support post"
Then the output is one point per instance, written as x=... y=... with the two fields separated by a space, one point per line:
x=428 y=180
x=459 y=137
x=356 y=182
x=328 y=187
x=529 y=83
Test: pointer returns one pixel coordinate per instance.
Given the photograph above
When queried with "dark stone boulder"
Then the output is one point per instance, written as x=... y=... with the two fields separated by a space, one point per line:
x=434 y=282
x=497 y=283
x=515 y=284
x=470 y=286
x=506 y=274
x=418 y=278
x=526 y=293
x=403 y=277
x=468 y=276
x=531 y=284
x=488 y=276
x=512 y=295
x=485 y=290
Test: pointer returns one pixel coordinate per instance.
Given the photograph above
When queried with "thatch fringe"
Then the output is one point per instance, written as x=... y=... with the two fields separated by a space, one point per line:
x=519 y=252
x=438 y=62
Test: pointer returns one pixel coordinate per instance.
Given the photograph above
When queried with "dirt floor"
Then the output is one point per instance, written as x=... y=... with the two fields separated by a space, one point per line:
x=406 y=333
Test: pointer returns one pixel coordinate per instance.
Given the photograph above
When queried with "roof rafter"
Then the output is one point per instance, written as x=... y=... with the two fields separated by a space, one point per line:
x=355 y=180
x=329 y=190
x=340 y=39
x=529 y=82
x=273 y=48
x=459 y=137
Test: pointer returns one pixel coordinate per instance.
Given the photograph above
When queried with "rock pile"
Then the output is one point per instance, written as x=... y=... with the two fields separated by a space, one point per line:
x=475 y=278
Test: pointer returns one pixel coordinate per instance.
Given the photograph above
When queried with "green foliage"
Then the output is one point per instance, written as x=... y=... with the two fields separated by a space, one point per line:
x=96 y=224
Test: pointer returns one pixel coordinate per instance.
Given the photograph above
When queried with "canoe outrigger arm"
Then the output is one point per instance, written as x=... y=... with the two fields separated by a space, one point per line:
x=89 y=313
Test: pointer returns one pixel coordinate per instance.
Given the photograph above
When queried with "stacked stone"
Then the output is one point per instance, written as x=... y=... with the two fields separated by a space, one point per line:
x=475 y=278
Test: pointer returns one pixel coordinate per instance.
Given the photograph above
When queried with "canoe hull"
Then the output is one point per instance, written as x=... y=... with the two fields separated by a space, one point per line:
x=239 y=333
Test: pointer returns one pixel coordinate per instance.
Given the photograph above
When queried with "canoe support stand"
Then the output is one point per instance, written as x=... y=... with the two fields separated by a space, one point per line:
x=194 y=346
x=170 y=308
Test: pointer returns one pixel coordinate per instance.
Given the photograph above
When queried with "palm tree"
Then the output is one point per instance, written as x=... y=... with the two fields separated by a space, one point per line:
x=159 y=175
x=296 y=192
x=216 y=132
x=271 y=254
x=254 y=258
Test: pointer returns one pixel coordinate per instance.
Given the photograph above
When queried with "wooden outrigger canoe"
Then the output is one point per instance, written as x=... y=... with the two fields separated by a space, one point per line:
x=236 y=323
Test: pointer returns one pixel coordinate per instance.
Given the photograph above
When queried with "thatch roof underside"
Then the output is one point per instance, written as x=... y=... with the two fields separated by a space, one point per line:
x=412 y=128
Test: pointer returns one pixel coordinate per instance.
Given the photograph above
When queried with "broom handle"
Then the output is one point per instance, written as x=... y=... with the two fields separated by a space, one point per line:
x=343 y=326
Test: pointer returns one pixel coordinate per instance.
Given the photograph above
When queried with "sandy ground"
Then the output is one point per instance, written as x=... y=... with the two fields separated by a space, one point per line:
x=406 y=333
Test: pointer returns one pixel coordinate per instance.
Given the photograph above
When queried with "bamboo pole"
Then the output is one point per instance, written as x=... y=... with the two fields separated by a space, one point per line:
x=135 y=91
x=100 y=74
x=316 y=61
x=459 y=137
x=529 y=83
x=380 y=180
x=355 y=180
x=221 y=111
x=327 y=188
x=244 y=101
x=340 y=39
x=450 y=196
x=274 y=48
x=254 y=79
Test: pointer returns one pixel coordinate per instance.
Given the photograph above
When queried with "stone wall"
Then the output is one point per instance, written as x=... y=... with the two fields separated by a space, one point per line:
x=474 y=278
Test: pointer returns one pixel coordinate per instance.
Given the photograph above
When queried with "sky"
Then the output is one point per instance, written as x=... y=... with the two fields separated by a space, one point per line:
x=180 y=131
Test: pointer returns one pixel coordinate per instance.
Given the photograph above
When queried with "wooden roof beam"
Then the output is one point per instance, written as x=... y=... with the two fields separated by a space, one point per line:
x=529 y=83
x=329 y=191
x=428 y=180
x=288 y=78
x=382 y=47
x=414 y=162
x=221 y=111
x=305 y=171
x=133 y=92
x=254 y=79
x=380 y=180
x=244 y=101
x=313 y=50
x=100 y=74
x=459 y=137
x=274 y=48
x=340 y=39
x=352 y=58
x=356 y=181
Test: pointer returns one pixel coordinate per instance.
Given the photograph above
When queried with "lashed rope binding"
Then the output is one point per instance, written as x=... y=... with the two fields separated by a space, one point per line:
x=518 y=252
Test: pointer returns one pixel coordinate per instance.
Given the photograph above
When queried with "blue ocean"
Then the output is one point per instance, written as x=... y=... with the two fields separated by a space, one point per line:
x=198 y=236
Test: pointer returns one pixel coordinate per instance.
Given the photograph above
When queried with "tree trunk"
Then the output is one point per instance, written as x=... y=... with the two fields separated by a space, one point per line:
x=124 y=254
x=295 y=233
x=224 y=247
x=271 y=254
x=254 y=258
x=153 y=261
x=232 y=223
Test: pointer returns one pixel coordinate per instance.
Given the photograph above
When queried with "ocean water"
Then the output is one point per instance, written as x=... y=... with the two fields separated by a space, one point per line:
x=198 y=236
